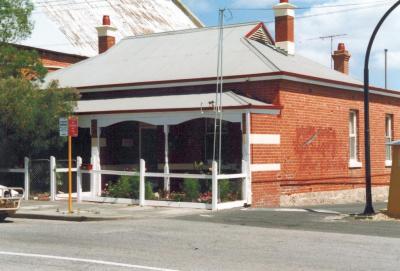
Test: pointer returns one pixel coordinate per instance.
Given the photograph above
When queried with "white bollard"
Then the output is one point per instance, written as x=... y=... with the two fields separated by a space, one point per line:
x=53 y=179
x=78 y=179
x=26 y=178
x=142 y=184
x=214 y=203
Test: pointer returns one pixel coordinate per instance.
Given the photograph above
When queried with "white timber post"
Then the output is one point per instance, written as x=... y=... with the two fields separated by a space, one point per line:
x=92 y=179
x=245 y=180
x=248 y=158
x=214 y=202
x=26 y=178
x=78 y=179
x=142 y=198
x=53 y=178
x=95 y=178
x=166 y=166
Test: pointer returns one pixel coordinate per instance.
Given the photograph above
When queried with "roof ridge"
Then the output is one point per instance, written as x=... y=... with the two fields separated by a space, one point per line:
x=190 y=30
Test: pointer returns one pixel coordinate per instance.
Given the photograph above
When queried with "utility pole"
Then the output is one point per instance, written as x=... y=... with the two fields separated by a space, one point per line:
x=386 y=68
x=332 y=37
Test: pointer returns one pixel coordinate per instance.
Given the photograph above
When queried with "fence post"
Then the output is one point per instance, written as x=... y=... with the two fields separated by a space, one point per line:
x=26 y=178
x=245 y=180
x=142 y=184
x=78 y=179
x=53 y=178
x=92 y=179
x=214 y=186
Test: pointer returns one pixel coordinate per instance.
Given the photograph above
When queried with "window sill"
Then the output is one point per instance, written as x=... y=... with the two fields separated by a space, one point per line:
x=355 y=164
x=388 y=163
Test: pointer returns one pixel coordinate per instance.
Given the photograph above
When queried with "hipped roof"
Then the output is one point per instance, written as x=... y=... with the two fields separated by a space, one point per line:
x=186 y=55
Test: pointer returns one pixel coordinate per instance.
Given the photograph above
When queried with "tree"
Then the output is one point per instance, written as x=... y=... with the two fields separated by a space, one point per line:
x=15 y=25
x=29 y=110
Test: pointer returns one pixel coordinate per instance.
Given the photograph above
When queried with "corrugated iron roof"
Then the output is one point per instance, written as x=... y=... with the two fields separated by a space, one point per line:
x=69 y=25
x=202 y=101
x=189 y=54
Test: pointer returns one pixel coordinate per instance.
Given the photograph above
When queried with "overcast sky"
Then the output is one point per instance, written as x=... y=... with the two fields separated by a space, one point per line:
x=355 y=18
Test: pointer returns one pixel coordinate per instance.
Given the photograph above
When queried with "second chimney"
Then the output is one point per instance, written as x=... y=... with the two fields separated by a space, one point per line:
x=284 y=26
x=106 y=35
x=341 y=59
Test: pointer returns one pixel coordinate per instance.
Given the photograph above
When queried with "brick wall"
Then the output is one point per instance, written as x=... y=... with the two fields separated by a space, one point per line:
x=54 y=60
x=314 y=149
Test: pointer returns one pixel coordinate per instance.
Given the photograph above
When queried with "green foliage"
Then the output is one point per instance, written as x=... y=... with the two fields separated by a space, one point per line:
x=229 y=190
x=29 y=118
x=191 y=187
x=15 y=23
x=125 y=187
x=224 y=189
x=20 y=62
x=128 y=187
x=148 y=191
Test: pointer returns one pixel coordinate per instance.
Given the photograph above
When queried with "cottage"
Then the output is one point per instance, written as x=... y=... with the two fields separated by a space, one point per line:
x=296 y=124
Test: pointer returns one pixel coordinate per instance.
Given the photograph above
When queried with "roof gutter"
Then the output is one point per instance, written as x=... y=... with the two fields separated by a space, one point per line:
x=240 y=79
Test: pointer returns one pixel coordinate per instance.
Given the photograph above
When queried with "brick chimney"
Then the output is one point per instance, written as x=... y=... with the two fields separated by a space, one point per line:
x=106 y=35
x=284 y=26
x=341 y=59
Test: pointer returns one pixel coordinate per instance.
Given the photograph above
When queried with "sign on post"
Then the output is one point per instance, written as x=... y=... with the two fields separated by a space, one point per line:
x=73 y=126
x=63 y=124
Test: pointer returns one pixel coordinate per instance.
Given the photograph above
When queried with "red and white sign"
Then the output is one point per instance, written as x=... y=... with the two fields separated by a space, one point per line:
x=73 y=126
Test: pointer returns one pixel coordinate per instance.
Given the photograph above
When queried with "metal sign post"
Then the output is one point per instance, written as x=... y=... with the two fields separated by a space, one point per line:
x=69 y=127
x=72 y=132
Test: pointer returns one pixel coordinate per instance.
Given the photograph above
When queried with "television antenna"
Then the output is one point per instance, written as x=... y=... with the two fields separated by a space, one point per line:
x=331 y=37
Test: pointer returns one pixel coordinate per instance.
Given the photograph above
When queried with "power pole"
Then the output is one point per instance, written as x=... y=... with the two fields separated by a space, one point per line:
x=332 y=37
x=386 y=68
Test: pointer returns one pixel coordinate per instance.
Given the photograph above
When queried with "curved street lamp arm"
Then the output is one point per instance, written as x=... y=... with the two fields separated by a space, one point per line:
x=369 y=209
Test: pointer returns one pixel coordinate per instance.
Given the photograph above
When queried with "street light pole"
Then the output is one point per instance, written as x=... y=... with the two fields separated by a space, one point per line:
x=386 y=68
x=369 y=209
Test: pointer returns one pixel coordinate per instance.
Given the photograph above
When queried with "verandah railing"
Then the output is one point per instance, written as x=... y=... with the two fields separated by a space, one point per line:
x=96 y=184
x=215 y=177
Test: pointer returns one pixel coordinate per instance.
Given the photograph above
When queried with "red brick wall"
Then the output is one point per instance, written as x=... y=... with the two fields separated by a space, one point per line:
x=314 y=150
x=52 y=60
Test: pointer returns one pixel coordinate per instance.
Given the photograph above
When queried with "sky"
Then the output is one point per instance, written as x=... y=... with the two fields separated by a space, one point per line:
x=354 y=18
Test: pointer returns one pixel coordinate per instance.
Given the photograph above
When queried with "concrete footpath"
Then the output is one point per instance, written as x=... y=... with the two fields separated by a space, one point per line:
x=58 y=210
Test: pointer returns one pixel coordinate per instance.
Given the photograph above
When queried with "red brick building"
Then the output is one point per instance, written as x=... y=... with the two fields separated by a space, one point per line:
x=53 y=60
x=298 y=125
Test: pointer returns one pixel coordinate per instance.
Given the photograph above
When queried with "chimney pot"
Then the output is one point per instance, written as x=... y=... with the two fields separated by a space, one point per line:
x=341 y=47
x=106 y=20
x=284 y=1
x=341 y=59
x=106 y=36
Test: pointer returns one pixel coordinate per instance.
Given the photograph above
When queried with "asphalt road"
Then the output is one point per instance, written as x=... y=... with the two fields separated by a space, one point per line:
x=231 y=240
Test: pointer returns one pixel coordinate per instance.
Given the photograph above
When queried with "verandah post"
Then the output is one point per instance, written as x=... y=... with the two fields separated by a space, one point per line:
x=78 y=179
x=166 y=159
x=142 y=182
x=214 y=203
x=26 y=178
x=53 y=181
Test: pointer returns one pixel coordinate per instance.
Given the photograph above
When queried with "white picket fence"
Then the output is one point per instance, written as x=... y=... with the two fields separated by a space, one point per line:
x=95 y=185
x=24 y=171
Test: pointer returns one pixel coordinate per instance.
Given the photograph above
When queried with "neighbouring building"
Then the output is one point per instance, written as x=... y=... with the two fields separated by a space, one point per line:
x=65 y=31
x=296 y=124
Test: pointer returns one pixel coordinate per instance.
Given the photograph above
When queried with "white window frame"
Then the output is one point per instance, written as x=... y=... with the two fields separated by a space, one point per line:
x=353 y=121
x=388 y=139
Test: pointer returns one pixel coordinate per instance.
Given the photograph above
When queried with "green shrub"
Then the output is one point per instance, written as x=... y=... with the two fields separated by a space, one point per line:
x=128 y=187
x=191 y=188
x=125 y=187
x=224 y=189
x=148 y=191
